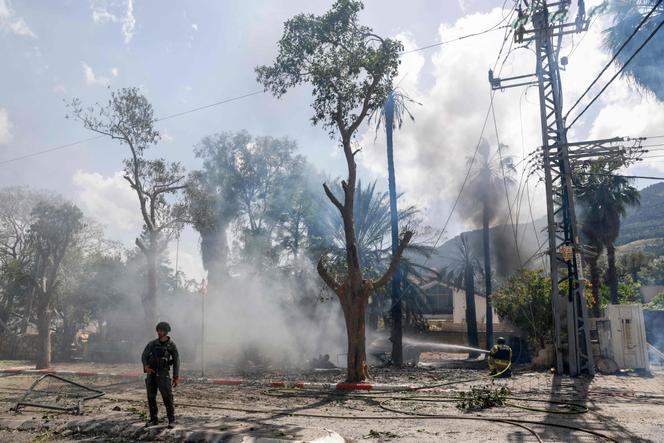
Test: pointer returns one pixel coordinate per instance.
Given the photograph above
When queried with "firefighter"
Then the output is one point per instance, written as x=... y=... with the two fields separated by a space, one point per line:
x=500 y=359
x=158 y=357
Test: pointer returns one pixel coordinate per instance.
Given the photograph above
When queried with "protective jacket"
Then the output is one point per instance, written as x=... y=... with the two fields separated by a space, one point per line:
x=160 y=356
x=500 y=357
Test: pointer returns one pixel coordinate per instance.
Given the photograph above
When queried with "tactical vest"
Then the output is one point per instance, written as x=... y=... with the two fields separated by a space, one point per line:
x=160 y=357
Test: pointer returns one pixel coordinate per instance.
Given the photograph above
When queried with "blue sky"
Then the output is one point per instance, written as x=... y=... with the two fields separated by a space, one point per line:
x=189 y=54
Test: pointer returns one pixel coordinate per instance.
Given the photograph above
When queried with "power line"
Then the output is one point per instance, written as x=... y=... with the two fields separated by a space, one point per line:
x=622 y=68
x=167 y=117
x=470 y=166
x=55 y=148
x=200 y=108
x=502 y=167
x=463 y=37
x=644 y=177
x=634 y=32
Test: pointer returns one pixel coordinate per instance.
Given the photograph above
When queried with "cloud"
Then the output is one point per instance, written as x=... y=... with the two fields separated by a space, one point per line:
x=109 y=200
x=115 y=72
x=107 y=11
x=10 y=23
x=129 y=22
x=101 y=15
x=194 y=26
x=93 y=79
x=5 y=127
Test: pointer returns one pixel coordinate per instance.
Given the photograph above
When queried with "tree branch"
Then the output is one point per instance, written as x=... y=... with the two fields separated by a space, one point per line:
x=335 y=201
x=395 y=261
x=325 y=275
x=141 y=246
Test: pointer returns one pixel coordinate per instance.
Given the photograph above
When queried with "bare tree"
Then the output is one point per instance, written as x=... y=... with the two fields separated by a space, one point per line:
x=128 y=118
x=352 y=72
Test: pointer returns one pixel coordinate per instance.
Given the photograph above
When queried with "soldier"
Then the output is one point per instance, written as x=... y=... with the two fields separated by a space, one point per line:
x=157 y=358
x=500 y=359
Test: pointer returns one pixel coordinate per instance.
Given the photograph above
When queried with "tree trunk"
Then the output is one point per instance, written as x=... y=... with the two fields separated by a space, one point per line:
x=396 y=309
x=28 y=310
x=355 y=314
x=487 y=275
x=471 y=317
x=150 y=296
x=611 y=272
x=44 y=330
x=594 y=281
x=214 y=250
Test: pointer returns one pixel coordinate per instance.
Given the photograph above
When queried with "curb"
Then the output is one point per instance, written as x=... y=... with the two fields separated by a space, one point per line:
x=225 y=381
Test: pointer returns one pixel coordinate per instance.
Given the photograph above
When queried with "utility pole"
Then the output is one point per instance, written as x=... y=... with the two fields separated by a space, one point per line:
x=544 y=25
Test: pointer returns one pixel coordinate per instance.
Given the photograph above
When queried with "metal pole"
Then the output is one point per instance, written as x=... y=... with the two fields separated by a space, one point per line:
x=203 y=297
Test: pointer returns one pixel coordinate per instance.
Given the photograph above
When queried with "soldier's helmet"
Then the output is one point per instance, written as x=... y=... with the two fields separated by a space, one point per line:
x=500 y=340
x=162 y=325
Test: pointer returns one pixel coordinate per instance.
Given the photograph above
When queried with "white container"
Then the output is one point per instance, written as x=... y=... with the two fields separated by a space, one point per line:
x=628 y=336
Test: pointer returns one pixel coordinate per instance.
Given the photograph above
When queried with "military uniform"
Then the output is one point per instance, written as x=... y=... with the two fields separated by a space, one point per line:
x=160 y=356
x=500 y=360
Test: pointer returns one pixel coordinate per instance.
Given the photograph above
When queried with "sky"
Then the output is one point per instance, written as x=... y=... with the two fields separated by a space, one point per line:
x=185 y=55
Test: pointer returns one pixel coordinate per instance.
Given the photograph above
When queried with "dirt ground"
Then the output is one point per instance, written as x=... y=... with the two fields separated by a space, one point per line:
x=625 y=407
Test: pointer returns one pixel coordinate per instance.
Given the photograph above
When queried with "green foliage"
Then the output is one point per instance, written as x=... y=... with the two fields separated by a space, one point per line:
x=644 y=222
x=385 y=435
x=628 y=292
x=657 y=303
x=645 y=68
x=482 y=397
x=653 y=273
x=351 y=68
x=525 y=300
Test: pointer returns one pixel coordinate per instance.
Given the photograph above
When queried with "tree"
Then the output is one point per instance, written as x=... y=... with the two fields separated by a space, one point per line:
x=462 y=274
x=488 y=184
x=255 y=184
x=52 y=232
x=525 y=300
x=645 y=68
x=657 y=303
x=395 y=107
x=352 y=71
x=373 y=227
x=653 y=272
x=16 y=255
x=128 y=118
x=605 y=197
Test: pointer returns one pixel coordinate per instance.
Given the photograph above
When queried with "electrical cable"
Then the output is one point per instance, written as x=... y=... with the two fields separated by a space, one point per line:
x=167 y=117
x=644 y=177
x=463 y=37
x=622 y=68
x=629 y=38
x=470 y=166
x=502 y=167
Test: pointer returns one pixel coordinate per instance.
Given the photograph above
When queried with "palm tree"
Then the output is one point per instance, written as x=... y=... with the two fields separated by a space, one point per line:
x=373 y=228
x=606 y=197
x=591 y=256
x=395 y=108
x=490 y=178
x=645 y=69
x=462 y=274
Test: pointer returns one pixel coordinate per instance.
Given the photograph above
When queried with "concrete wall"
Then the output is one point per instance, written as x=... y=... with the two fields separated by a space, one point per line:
x=459 y=315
